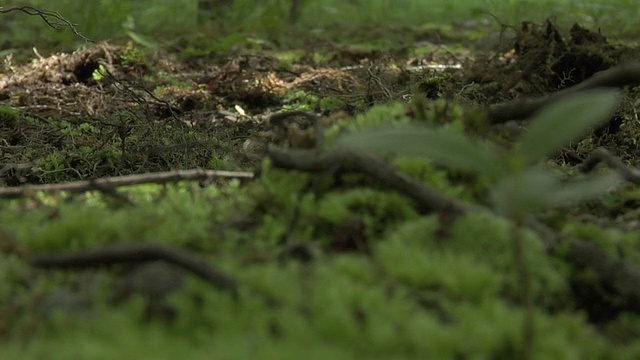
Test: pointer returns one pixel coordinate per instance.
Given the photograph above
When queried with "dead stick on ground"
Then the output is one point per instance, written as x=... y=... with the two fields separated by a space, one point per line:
x=618 y=76
x=354 y=161
x=619 y=275
x=112 y=182
x=628 y=173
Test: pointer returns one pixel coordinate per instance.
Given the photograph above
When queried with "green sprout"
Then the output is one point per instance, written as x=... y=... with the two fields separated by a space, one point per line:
x=100 y=73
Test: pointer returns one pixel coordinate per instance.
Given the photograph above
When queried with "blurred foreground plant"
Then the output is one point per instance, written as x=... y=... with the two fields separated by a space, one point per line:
x=520 y=186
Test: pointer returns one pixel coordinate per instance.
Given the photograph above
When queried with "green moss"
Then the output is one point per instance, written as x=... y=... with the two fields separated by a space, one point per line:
x=609 y=239
x=132 y=56
x=375 y=206
x=9 y=116
x=302 y=100
x=376 y=116
x=489 y=239
x=428 y=289
x=414 y=256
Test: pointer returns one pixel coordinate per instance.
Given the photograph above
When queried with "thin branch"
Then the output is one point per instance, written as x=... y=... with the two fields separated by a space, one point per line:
x=347 y=160
x=51 y=18
x=620 y=276
x=112 y=182
x=354 y=161
x=599 y=155
x=618 y=76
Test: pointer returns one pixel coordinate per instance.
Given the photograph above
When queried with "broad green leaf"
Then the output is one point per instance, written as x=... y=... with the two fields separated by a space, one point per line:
x=442 y=146
x=566 y=120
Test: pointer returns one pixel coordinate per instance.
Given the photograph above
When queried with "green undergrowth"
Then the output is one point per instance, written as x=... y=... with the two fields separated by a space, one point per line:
x=420 y=287
x=330 y=266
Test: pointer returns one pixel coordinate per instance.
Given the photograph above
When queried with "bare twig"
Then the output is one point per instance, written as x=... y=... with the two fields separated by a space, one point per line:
x=428 y=200
x=151 y=178
x=52 y=18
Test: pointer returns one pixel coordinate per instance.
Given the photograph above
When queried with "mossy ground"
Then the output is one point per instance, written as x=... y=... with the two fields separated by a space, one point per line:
x=413 y=292
x=376 y=277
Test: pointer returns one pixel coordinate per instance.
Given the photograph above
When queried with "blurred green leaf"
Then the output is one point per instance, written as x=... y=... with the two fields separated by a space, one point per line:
x=536 y=189
x=442 y=146
x=563 y=121
x=523 y=192
x=585 y=189
x=142 y=40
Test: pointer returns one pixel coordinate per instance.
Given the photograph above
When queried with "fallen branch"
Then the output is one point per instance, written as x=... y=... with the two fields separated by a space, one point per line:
x=354 y=161
x=618 y=76
x=620 y=276
x=599 y=155
x=137 y=253
x=112 y=182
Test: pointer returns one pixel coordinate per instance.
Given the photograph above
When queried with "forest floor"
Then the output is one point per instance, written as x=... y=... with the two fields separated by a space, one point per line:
x=301 y=260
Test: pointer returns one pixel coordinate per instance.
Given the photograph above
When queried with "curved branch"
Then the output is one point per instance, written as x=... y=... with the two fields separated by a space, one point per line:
x=618 y=76
x=621 y=277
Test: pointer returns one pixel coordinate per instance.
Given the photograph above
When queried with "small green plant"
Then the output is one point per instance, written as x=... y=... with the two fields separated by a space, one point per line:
x=521 y=186
x=9 y=114
x=100 y=73
x=216 y=161
x=132 y=56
